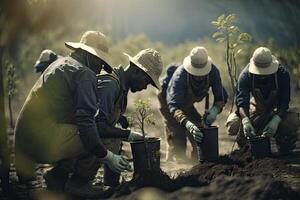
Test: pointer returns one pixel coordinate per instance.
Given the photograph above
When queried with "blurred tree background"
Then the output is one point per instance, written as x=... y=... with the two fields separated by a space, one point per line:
x=173 y=27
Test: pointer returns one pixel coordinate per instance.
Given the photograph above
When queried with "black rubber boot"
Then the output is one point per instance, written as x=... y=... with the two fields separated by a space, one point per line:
x=111 y=178
x=82 y=188
x=286 y=143
x=56 y=179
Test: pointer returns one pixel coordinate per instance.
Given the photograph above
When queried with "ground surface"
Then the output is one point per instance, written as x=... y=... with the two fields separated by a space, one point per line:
x=234 y=176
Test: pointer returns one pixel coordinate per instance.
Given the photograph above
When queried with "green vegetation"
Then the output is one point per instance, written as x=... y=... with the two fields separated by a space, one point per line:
x=11 y=80
x=142 y=115
x=229 y=33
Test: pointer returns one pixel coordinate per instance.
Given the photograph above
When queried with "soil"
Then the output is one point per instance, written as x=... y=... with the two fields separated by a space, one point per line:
x=236 y=175
x=233 y=176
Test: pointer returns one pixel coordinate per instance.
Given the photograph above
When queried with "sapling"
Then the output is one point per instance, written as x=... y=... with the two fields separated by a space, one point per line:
x=142 y=116
x=229 y=32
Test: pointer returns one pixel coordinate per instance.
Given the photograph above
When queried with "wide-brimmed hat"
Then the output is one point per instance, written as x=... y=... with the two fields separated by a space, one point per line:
x=149 y=60
x=198 y=63
x=263 y=62
x=46 y=57
x=95 y=43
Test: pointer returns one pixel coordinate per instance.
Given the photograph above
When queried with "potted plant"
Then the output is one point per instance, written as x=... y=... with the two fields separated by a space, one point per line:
x=146 y=152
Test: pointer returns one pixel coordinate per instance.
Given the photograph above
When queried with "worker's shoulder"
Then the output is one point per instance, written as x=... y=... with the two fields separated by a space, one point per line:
x=110 y=80
x=68 y=62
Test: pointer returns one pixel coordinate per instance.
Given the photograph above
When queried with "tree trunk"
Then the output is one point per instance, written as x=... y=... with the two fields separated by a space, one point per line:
x=4 y=165
x=11 y=117
x=229 y=67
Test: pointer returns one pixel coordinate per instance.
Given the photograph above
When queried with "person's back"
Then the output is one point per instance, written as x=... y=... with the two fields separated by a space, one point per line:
x=54 y=94
x=57 y=122
x=164 y=81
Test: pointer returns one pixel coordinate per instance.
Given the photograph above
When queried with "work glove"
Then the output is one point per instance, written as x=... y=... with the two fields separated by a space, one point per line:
x=248 y=128
x=271 y=128
x=133 y=136
x=116 y=163
x=195 y=131
x=123 y=121
x=211 y=115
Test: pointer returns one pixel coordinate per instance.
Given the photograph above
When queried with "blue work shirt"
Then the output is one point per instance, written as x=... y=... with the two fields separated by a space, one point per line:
x=164 y=81
x=245 y=88
x=177 y=91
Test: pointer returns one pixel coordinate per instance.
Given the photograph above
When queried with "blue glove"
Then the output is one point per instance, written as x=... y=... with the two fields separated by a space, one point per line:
x=195 y=131
x=133 y=136
x=211 y=115
x=248 y=128
x=272 y=126
x=116 y=163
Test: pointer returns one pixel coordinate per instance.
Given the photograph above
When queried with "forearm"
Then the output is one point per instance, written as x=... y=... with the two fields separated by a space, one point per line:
x=107 y=131
x=88 y=133
x=219 y=105
x=180 y=116
x=92 y=142
x=244 y=112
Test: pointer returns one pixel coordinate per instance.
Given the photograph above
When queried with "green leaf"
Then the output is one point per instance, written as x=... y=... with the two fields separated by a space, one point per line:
x=221 y=39
x=233 y=29
x=238 y=52
x=221 y=18
x=231 y=18
x=215 y=23
x=244 y=37
x=217 y=34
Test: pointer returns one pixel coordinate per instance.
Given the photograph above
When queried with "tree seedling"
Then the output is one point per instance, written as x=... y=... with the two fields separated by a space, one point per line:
x=139 y=118
x=229 y=32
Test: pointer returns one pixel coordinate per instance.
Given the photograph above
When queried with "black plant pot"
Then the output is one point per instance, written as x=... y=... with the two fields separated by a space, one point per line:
x=260 y=146
x=139 y=154
x=208 y=150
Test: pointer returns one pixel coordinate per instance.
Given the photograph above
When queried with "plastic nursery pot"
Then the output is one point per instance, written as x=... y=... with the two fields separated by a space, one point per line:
x=260 y=146
x=139 y=154
x=208 y=150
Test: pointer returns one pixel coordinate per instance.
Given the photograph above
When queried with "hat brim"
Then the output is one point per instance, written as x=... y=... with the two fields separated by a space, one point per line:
x=187 y=65
x=271 y=69
x=98 y=53
x=152 y=76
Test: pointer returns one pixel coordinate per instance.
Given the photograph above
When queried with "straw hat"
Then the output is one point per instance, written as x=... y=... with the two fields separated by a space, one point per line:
x=198 y=63
x=150 y=62
x=93 y=42
x=47 y=56
x=263 y=62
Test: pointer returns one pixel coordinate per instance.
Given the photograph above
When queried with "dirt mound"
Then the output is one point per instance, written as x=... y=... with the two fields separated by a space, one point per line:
x=231 y=176
x=239 y=163
x=225 y=187
x=158 y=179
x=264 y=167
